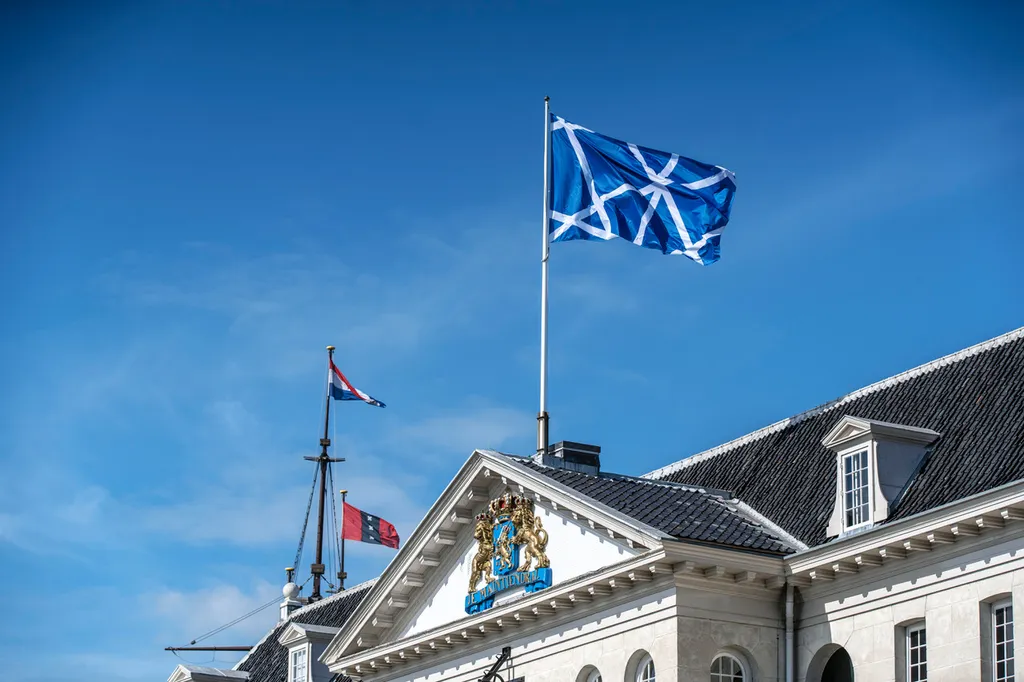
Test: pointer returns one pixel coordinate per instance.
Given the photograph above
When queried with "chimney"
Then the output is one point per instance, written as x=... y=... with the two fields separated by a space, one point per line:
x=572 y=456
x=291 y=595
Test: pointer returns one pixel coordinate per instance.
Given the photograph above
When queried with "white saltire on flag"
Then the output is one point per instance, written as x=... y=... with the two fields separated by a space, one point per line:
x=604 y=188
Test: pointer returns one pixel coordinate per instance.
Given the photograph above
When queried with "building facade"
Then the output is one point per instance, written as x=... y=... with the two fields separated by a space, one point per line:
x=878 y=537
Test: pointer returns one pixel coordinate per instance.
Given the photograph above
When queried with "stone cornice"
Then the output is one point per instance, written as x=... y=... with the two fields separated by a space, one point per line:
x=637 y=572
x=891 y=542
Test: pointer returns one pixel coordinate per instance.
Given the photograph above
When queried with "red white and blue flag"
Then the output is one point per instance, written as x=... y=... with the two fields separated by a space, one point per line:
x=342 y=389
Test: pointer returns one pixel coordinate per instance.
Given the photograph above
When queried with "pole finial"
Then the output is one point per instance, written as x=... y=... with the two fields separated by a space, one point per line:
x=343 y=492
x=546 y=98
x=330 y=349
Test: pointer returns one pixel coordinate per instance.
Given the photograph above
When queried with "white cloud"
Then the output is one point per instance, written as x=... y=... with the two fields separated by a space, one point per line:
x=917 y=163
x=464 y=431
x=371 y=305
x=249 y=517
x=190 y=614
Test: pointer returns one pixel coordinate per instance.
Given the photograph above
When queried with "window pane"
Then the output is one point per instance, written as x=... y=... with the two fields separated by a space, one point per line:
x=917 y=668
x=855 y=488
x=1002 y=635
x=726 y=668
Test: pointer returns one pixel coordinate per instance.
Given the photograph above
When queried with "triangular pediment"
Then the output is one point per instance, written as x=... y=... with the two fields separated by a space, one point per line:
x=427 y=584
x=847 y=429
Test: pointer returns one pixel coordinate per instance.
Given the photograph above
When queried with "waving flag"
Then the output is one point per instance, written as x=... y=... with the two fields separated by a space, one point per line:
x=605 y=188
x=362 y=527
x=342 y=389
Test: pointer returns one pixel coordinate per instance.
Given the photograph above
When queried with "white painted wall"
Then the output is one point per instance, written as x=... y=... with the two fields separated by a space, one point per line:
x=606 y=639
x=862 y=613
x=573 y=548
x=685 y=622
x=743 y=622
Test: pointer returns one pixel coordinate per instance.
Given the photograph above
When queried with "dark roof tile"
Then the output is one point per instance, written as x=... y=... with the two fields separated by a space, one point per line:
x=683 y=512
x=268 y=660
x=974 y=398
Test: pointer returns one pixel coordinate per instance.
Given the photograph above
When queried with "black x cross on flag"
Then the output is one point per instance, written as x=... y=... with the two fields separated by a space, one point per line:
x=363 y=527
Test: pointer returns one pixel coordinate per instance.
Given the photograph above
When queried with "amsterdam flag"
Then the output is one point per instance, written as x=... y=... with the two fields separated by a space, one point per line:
x=363 y=527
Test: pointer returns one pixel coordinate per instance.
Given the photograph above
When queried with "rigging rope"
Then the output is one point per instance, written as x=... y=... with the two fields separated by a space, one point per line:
x=305 y=522
x=336 y=536
x=236 y=621
x=339 y=530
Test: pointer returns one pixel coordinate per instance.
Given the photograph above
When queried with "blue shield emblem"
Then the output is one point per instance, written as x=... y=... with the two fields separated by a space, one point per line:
x=506 y=554
x=500 y=552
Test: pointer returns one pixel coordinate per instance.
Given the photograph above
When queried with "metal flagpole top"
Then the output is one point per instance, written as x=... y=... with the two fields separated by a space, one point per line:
x=330 y=349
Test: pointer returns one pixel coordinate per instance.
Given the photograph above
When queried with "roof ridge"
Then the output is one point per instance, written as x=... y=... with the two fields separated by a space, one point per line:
x=337 y=596
x=906 y=375
x=715 y=492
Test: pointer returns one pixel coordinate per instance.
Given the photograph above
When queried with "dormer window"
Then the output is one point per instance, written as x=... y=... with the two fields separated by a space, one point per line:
x=298 y=665
x=305 y=644
x=856 y=491
x=875 y=464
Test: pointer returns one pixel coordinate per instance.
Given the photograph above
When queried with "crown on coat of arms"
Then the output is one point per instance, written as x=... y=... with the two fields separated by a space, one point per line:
x=507 y=504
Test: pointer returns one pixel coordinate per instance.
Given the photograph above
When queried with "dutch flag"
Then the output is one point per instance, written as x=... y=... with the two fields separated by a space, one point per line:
x=342 y=389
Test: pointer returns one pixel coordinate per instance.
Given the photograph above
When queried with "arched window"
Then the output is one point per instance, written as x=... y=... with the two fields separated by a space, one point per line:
x=594 y=676
x=726 y=668
x=645 y=669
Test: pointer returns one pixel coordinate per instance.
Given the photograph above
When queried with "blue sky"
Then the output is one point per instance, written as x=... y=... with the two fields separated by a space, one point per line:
x=197 y=197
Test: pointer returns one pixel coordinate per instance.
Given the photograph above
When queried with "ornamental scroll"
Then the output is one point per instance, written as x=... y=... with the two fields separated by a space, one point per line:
x=511 y=551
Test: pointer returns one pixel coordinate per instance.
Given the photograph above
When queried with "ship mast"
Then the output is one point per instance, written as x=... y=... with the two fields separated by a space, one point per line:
x=317 y=568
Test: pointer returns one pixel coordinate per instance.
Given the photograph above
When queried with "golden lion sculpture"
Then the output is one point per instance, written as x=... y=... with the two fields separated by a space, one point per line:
x=481 y=566
x=531 y=536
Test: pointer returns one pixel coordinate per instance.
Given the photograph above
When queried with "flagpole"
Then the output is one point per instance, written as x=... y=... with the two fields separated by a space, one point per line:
x=542 y=415
x=342 y=574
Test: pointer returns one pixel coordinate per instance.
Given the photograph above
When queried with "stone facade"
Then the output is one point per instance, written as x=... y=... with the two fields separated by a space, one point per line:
x=685 y=625
x=868 y=617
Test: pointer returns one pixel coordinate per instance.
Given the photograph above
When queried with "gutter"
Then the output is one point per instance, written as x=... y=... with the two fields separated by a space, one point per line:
x=790 y=651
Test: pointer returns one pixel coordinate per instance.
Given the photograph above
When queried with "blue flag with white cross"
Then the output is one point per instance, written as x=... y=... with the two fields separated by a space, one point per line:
x=604 y=188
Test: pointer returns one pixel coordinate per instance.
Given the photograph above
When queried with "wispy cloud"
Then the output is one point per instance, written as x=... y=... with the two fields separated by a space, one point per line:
x=927 y=160
x=189 y=614
x=462 y=432
x=371 y=306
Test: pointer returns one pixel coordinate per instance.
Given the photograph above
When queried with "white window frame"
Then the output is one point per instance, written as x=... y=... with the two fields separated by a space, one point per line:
x=641 y=667
x=739 y=661
x=304 y=649
x=868 y=450
x=996 y=608
x=908 y=646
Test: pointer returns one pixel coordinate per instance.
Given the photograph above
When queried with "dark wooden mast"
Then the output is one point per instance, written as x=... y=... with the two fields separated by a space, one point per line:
x=317 y=568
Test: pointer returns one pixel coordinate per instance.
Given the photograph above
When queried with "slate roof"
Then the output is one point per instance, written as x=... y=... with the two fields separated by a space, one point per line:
x=973 y=398
x=268 y=660
x=684 y=512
